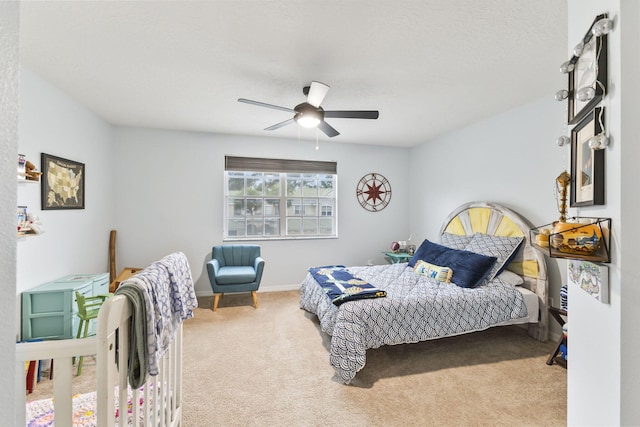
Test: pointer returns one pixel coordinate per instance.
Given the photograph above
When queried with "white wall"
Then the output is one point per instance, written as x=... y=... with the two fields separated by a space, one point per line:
x=604 y=379
x=511 y=159
x=74 y=241
x=169 y=188
x=630 y=212
x=9 y=97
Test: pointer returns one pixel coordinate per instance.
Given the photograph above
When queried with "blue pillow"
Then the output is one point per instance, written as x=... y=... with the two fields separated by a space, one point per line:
x=469 y=268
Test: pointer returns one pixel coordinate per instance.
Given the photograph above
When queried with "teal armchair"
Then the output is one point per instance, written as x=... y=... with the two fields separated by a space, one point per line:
x=235 y=268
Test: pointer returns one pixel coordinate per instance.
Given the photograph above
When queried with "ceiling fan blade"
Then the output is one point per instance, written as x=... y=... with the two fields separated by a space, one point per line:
x=281 y=124
x=352 y=114
x=327 y=129
x=262 y=104
x=317 y=92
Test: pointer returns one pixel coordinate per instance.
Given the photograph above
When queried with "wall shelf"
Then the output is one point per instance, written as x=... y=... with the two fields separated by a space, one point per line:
x=583 y=238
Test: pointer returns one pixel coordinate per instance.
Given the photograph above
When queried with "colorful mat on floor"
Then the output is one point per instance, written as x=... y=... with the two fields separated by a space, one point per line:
x=40 y=412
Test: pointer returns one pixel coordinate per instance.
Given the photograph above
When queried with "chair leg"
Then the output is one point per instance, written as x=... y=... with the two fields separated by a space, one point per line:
x=216 y=299
x=73 y=359
x=81 y=359
x=254 y=295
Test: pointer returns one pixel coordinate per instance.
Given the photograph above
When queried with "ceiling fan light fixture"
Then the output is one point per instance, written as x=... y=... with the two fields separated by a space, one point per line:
x=307 y=120
x=308 y=116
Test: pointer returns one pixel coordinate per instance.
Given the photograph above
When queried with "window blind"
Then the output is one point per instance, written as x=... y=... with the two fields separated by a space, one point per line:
x=256 y=164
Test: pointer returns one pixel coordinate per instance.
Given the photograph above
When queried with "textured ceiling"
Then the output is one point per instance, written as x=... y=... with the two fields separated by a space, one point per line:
x=428 y=66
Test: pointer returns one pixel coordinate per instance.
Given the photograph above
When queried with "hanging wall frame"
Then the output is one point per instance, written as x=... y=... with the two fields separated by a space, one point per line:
x=587 y=164
x=588 y=75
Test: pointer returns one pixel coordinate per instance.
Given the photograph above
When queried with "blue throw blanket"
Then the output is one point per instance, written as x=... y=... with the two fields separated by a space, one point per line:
x=341 y=286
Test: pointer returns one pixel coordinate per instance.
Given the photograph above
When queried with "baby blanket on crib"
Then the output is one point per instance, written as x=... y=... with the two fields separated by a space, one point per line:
x=169 y=299
x=341 y=286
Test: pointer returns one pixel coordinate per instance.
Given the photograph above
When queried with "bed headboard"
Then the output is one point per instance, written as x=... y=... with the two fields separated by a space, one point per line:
x=497 y=220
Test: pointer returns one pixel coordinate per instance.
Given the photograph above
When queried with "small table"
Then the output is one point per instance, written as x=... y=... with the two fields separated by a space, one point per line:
x=558 y=314
x=124 y=275
x=397 y=257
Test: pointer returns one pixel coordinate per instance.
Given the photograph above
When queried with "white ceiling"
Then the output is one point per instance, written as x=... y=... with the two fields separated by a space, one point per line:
x=428 y=66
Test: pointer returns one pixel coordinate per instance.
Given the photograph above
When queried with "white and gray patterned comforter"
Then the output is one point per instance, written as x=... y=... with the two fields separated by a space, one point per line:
x=415 y=309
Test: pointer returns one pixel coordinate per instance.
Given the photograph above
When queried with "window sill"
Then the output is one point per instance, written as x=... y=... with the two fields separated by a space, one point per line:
x=262 y=238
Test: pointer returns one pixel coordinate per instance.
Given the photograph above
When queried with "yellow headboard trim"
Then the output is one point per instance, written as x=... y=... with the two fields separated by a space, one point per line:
x=479 y=218
x=456 y=227
x=508 y=228
x=527 y=268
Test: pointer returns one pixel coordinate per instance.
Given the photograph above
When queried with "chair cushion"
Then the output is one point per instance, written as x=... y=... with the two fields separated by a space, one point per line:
x=235 y=275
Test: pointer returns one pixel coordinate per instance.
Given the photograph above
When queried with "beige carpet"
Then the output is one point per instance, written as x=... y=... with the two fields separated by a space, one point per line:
x=270 y=367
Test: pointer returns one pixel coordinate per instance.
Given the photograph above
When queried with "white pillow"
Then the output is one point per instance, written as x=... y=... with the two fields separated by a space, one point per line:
x=510 y=278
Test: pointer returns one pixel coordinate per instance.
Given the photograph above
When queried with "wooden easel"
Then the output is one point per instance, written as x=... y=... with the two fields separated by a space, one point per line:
x=127 y=272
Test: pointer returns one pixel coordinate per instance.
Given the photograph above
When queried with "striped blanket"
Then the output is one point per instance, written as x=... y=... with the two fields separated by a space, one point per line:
x=341 y=286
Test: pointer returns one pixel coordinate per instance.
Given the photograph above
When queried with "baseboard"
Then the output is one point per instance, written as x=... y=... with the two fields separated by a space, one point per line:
x=277 y=288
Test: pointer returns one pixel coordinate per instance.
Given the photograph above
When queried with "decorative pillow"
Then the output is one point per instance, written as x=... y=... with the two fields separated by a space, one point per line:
x=501 y=247
x=455 y=241
x=469 y=268
x=441 y=274
x=510 y=278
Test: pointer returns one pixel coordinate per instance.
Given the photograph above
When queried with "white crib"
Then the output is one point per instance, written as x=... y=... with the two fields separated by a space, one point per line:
x=160 y=401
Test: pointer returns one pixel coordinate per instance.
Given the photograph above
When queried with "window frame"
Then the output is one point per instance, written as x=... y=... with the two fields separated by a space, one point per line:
x=302 y=168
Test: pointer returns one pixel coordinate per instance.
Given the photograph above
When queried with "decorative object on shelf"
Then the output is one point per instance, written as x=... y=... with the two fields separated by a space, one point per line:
x=22 y=163
x=31 y=173
x=395 y=247
x=27 y=171
x=22 y=220
x=578 y=238
x=63 y=183
x=590 y=277
x=562 y=182
x=373 y=192
x=587 y=164
x=28 y=223
x=587 y=70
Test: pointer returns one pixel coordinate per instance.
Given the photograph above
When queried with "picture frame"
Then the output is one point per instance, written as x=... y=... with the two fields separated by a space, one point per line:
x=587 y=163
x=589 y=69
x=591 y=278
x=62 y=184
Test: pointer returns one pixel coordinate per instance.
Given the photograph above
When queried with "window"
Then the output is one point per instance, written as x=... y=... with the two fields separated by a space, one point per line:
x=274 y=199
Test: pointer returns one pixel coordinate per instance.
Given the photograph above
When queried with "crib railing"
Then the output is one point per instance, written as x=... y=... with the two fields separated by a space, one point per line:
x=61 y=353
x=158 y=404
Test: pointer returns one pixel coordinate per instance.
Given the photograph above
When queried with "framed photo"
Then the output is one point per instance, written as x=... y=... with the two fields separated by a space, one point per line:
x=62 y=184
x=587 y=165
x=591 y=278
x=590 y=70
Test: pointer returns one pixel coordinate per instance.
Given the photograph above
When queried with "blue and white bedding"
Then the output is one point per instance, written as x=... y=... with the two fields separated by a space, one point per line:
x=416 y=308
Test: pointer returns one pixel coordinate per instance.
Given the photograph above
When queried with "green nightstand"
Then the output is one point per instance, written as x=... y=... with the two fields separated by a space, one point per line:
x=397 y=257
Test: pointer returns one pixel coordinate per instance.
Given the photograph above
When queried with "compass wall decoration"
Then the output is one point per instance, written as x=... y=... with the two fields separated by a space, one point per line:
x=373 y=192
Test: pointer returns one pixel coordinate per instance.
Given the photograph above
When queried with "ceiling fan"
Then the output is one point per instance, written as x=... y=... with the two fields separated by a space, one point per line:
x=310 y=114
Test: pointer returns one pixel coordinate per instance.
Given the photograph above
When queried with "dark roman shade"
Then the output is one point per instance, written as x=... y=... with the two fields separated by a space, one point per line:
x=256 y=164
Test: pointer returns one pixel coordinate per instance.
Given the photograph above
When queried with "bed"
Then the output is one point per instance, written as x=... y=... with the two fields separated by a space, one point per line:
x=413 y=307
x=152 y=391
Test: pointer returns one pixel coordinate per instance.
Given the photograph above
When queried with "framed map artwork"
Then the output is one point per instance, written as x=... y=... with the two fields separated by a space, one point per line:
x=62 y=183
